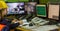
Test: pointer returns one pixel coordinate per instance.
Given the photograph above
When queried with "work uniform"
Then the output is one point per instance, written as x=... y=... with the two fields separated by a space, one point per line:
x=6 y=25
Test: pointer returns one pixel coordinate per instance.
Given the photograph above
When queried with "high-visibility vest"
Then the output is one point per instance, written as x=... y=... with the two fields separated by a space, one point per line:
x=1 y=27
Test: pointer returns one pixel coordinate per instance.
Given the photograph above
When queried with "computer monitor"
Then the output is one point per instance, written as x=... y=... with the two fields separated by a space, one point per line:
x=53 y=11
x=31 y=7
x=16 y=8
x=41 y=10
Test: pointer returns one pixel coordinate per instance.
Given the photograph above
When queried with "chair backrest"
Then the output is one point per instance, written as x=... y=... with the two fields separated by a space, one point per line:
x=2 y=26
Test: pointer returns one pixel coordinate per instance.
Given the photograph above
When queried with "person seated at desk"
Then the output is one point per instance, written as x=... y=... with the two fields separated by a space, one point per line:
x=5 y=24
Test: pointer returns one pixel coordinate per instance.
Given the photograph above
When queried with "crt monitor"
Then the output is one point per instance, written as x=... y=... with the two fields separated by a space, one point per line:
x=41 y=10
x=16 y=8
x=30 y=7
x=53 y=12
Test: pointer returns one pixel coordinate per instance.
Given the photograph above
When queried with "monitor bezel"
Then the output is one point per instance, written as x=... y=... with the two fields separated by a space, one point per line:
x=46 y=11
x=34 y=7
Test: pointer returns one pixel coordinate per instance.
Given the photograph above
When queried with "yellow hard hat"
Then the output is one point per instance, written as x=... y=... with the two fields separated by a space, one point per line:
x=3 y=4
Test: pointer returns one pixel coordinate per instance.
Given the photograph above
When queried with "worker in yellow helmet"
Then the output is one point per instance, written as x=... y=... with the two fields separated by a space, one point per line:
x=3 y=7
x=4 y=23
x=3 y=11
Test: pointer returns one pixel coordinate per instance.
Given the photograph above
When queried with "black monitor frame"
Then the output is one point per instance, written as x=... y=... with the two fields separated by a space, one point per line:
x=18 y=14
x=59 y=11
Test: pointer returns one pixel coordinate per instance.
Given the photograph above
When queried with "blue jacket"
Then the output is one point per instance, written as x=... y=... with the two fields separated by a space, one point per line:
x=9 y=25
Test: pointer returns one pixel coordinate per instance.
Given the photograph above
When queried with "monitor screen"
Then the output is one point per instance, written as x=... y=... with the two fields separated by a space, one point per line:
x=30 y=7
x=15 y=8
x=41 y=10
x=53 y=12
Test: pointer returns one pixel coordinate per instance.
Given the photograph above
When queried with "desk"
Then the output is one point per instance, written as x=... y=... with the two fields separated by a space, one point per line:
x=45 y=28
x=22 y=29
x=40 y=28
x=12 y=30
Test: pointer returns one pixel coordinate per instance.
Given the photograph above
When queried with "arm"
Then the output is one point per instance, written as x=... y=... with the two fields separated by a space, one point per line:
x=16 y=23
x=4 y=21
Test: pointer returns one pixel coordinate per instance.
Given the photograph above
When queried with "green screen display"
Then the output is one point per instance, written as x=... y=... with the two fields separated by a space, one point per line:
x=41 y=10
x=17 y=0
